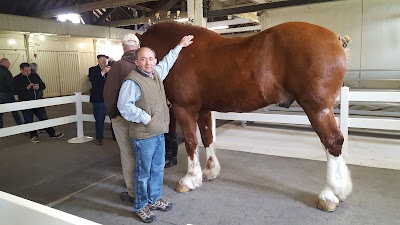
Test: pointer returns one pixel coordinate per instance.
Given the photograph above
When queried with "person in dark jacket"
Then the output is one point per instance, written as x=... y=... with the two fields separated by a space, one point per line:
x=97 y=77
x=28 y=86
x=6 y=94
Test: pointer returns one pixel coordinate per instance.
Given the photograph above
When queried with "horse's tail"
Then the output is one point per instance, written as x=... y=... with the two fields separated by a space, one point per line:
x=344 y=41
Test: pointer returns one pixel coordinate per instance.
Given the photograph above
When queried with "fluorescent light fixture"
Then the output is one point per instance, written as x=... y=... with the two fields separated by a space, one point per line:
x=218 y=27
x=42 y=37
x=12 y=42
x=72 y=17
x=182 y=20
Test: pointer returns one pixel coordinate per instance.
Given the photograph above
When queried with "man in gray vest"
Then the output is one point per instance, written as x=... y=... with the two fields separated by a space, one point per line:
x=142 y=102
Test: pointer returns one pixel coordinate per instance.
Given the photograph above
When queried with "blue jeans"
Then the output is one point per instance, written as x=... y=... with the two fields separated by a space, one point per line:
x=149 y=170
x=41 y=114
x=99 y=112
x=9 y=98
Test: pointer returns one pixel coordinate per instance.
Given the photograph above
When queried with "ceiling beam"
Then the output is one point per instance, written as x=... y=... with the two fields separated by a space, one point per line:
x=162 y=6
x=239 y=29
x=87 y=7
x=105 y=15
x=141 y=8
x=142 y=20
x=260 y=7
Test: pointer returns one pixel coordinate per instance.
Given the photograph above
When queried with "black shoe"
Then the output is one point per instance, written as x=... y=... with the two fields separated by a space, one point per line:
x=171 y=162
x=125 y=197
x=99 y=142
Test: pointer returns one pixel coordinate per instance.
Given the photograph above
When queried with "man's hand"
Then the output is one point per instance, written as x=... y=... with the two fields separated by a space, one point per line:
x=29 y=86
x=106 y=69
x=186 y=41
x=35 y=86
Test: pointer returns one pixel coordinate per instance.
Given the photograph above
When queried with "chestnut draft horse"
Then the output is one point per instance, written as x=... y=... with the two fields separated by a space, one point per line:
x=291 y=61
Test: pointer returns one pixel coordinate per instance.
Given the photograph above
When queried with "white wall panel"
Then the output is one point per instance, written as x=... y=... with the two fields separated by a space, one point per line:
x=68 y=64
x=86 y=60
x=48 y=70
x=381 y=35
x=373 y=26
x=343 y=18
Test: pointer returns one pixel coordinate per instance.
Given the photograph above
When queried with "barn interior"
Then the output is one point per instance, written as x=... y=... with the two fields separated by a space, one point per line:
x=271 y=172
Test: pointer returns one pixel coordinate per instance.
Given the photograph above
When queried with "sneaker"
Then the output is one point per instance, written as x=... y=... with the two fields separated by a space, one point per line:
x=35 y=139
x=161 y=205
x=125 y=197
x=57 y=135
x=146 y=215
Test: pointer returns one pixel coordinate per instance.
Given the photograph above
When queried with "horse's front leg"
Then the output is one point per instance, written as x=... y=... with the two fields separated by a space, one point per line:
x=193 y=178
x=213 y=168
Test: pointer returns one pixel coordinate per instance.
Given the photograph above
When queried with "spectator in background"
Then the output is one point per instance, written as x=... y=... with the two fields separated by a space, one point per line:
x=28 y=86
x=97 y=77
x=115 y=78
x=6 y=94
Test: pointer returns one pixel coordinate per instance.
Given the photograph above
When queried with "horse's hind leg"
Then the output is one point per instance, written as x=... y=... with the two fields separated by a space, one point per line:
x=193 y=177
x=338 y=183
x=212 y=165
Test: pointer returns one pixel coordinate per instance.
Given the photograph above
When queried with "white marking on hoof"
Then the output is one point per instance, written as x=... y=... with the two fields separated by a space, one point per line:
x=213 y=167
x=338 y=176
x=193 y=178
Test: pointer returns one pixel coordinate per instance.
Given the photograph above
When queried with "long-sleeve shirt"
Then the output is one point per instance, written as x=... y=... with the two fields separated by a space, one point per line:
x=130 y=91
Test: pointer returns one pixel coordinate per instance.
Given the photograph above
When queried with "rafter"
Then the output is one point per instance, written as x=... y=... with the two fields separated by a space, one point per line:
x=255 y=8
x=105 y=15
x=87 y=7
x=142 y=20
x=141 y=8
x=162 y=6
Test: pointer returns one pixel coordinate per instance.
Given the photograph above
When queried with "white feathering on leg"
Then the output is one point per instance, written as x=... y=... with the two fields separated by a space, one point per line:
x=193 y=178
x=338 y=176
x=213 y=167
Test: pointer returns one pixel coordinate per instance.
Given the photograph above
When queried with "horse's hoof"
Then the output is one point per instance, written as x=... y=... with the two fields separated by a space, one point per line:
x=182 y=188
x=326 y=206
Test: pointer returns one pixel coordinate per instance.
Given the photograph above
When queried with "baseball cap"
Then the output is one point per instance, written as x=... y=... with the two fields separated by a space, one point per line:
x=130 y=39
x=101 y=55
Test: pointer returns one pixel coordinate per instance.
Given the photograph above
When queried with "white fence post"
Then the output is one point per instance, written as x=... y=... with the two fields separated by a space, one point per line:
x=344 y=118
x=213 y=126
x=79 y=122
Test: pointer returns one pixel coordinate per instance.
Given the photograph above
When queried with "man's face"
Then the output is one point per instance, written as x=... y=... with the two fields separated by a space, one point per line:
x=26 y=71
x=102 y=61
x=7 y=64
x=146 y=60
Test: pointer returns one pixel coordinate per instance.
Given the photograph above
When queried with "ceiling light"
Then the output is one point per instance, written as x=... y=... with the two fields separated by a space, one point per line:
x=182 y=20
x=12 y=42
x=218 y=27
x=71 y=17
x=42 y=37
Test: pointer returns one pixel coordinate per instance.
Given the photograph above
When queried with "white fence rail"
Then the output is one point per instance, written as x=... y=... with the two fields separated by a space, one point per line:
x=77 y=118
x=344 y=120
